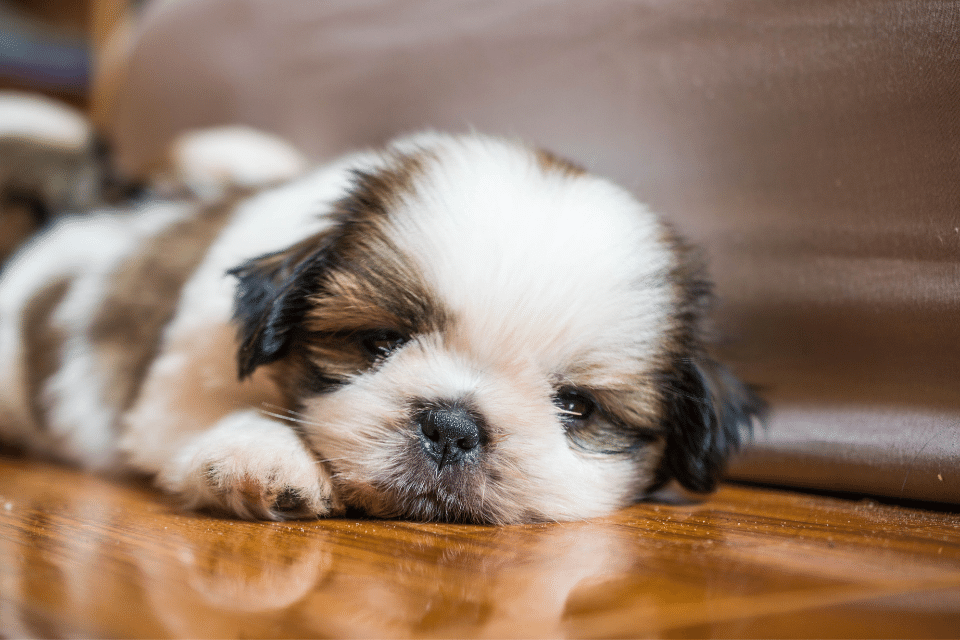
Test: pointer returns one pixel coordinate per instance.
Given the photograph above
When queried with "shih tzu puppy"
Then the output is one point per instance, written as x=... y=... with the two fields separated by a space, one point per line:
x=452 y=328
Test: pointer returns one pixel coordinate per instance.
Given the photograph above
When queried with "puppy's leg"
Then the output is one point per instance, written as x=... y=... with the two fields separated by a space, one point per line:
x=253 y=467
x=193 y=423
x=200 y=431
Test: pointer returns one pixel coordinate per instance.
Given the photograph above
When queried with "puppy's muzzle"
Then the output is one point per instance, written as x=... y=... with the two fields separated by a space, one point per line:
x=450 y=434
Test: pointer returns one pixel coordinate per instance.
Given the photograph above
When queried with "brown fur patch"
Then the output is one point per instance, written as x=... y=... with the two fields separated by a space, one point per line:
x=370 y=284
x=142 y=297
x=374 y=193
x=385 y=292
x=278 y=290
x=552 y=163
x=42 y=343
x=344 y=281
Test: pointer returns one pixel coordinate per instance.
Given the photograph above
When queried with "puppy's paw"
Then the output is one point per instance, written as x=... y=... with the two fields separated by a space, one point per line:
x=254 y=468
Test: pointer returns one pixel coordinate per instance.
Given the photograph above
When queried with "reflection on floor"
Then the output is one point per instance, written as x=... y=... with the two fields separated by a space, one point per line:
x=85 y=556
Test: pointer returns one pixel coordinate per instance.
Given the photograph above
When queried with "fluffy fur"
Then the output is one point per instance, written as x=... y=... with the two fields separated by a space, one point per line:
x=451 y=328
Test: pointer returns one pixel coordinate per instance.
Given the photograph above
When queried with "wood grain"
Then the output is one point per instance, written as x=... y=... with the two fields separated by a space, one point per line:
x=86 y=556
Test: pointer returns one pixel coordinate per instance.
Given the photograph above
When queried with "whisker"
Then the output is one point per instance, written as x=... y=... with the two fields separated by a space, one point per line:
x=284 y=409
x=279 y=416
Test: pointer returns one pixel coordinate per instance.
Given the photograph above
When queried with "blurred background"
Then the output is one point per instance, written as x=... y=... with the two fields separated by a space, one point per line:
x=45 y=45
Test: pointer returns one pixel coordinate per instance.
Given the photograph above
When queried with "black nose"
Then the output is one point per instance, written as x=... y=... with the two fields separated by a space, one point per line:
x=449 y=434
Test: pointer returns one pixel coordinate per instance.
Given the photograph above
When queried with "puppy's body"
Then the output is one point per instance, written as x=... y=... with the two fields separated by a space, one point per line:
x=452 y=328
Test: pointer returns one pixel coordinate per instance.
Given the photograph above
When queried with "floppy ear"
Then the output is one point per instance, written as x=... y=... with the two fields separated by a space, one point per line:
x=708 y=411
x=271 y=299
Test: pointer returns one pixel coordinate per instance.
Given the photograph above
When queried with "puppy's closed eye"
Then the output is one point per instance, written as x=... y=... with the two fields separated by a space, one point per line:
x=380 y=343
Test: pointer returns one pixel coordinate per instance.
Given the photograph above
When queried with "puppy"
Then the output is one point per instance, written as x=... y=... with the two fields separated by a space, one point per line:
x=453 y=328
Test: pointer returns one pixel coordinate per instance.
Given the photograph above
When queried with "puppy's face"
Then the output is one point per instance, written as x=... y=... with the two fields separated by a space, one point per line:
x=485 y=333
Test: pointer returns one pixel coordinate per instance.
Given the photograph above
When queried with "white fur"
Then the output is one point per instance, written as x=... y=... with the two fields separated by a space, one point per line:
x=549 y=480
x=548 y=279
x=246 y=454
x=586 y=244
x=485 y=224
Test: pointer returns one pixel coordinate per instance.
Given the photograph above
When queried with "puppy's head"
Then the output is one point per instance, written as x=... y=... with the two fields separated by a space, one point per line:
x=486 y=333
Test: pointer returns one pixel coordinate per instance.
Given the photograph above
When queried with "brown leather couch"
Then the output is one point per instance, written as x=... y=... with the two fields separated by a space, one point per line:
x=812 y=146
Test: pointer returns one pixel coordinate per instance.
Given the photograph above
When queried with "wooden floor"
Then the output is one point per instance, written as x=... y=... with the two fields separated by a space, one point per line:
x=84 y=556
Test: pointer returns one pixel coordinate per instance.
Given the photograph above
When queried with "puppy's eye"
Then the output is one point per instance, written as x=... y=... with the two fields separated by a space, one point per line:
x=381 y=343
x=574 y=405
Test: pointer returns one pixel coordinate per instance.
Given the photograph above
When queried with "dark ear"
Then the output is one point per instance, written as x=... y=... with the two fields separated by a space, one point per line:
x=708 y=410
x=271 y=299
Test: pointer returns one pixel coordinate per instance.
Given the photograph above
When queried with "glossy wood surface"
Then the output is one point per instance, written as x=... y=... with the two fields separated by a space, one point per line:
x=86 y=556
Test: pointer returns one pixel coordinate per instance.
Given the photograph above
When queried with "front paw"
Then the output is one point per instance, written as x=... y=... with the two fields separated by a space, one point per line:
x=254 y=468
